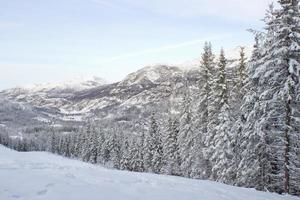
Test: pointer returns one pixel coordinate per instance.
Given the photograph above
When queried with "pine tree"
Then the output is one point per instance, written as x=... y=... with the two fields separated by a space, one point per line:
x=254 y=165
x=235 y=102
x=153 y=155
x=106 y=148
x=170 y=148
x=93 y=149
x=53 y=143
x=285 y=78
x=87 y=142
x=136 y=161
x=241 y=71
x=101 y=142
x=115 y=149
x=221 y=142
x=126 y=155
x=72 y=144
x=186 y=134
x=203 y=128
x=277 y=108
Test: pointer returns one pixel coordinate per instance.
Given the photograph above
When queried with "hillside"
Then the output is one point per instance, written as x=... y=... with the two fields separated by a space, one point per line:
x=39 y=175
x=61 y=105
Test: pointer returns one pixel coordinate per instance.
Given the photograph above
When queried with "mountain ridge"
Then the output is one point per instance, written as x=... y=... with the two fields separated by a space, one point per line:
x=75 y=102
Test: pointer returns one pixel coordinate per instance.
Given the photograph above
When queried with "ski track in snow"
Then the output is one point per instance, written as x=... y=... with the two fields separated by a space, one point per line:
x=43 y=176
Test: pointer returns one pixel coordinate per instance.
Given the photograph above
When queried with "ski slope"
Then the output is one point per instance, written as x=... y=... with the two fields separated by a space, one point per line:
x=40 y=175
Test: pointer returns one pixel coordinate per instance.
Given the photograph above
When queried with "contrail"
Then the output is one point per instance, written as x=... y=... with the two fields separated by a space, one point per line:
x=163 y=48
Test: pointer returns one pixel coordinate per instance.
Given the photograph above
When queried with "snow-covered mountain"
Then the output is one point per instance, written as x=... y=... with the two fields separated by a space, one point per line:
x=40 y=175
x=76 y=84
x=75 y=102
x=60 y=89
x=78 y=100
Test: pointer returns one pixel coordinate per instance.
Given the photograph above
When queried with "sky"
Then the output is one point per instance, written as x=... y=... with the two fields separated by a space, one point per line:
x=54 y=40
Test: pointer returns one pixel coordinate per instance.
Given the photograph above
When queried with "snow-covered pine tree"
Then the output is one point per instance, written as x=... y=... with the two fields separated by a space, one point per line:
x=170 y=147
x=284 y=76
x=257 y=160
x=101 y=141
x=221 y=143
x=72 y=144
x=78 y=144
x=186 y=134
x=277 y=108
x=241 y=71
x=87 y=142
x=93 y=148
x=106 y=148
x=235 y=100
x=136 y=161
x=150 y=144
x=66 y=145
x=203 y=115
x=253 y=167
x=53 y=143
x=126 y=155
x=139 y=159
x=200 y=166
x=115 y=148
x=153 y=144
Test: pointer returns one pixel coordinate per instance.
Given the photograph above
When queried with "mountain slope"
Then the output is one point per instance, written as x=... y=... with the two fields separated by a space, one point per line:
x=74 y=103
x=60 y=106
x=39 y=175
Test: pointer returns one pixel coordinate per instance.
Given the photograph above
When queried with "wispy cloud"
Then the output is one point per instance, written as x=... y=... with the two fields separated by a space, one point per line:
x=232 y=9
x=163 y=48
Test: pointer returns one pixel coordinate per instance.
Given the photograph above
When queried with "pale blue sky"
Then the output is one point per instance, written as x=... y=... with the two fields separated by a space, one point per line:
x=55 y=40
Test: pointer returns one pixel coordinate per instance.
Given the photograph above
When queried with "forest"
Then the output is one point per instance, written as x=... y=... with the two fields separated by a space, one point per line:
x=240 y=127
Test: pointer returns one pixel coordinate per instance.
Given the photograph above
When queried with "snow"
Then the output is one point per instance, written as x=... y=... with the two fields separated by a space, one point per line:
x=40 y=175
x=78 y=83
x=75 y=118
x=151 y=74
x=41 y=119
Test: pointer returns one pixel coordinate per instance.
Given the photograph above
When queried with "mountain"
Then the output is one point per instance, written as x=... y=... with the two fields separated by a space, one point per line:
x=74 y=102
x=55 y=177
x=61 y=104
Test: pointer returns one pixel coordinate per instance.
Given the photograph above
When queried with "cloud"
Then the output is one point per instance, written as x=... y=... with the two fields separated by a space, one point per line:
x=233 y=9
x=163 y=48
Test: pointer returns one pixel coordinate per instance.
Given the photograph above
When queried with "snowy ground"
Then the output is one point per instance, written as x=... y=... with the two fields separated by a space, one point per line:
x=39 y=175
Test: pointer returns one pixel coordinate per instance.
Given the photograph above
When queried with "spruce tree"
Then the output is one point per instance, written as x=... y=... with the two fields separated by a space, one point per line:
x=237 y=94
x=203 y=128
x=254 y=165
x=221 y=142
x=93 y=141
x=186 y=134
x=126 y=155
x=136 y=161
x=153 y=145
x=277 y=108
x=170 y=148
x=285 y=79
